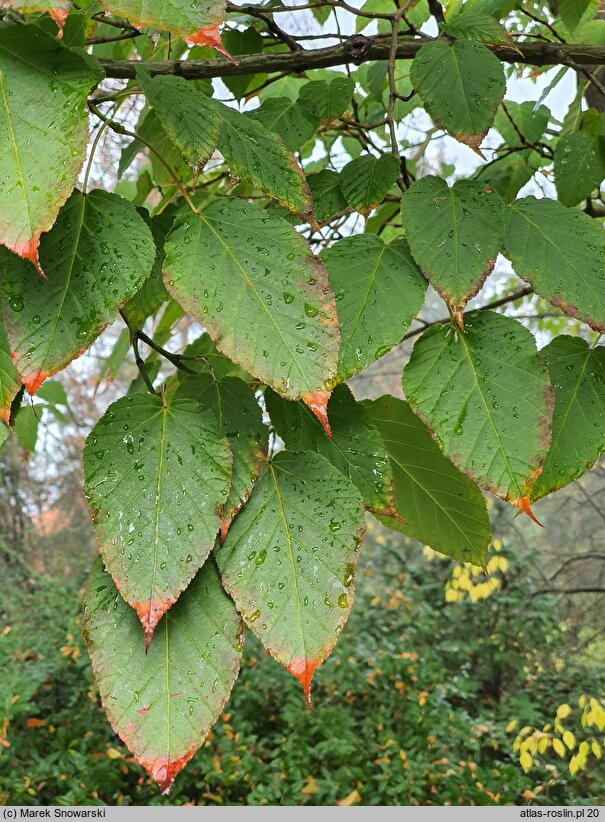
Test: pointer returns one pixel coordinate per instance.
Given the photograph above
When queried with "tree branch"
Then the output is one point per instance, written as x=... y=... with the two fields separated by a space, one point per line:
x=377 y=48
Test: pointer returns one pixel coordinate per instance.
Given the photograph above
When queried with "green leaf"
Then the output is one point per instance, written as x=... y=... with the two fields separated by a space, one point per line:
x=255 y=153
x=241 y=421
x=366 y=180
x=461 y=85
x=579 y=166
x=196 y=134
x=96 y=256
x=561 y=253
x=43 y=131
x=157 y=474
x=440 y=505
x=112 y=363
x=53 y=392
x=475 y=26
x=289 y=559
x=509 y=174
x=572 y=11
x=152 y=294
x=531 y=122
x=181 y=17
x=10 y=384
x=454 y=234
x=329 y=98
x=296 y=122
x=152 y=131
x=27 y=422
x=4 y=432
x=577 y=373
x=486 y=397
x=379 y=290
x=328 y=199
x=263 y=297
x=163 y=703
x=356 y=447
x=209 y=360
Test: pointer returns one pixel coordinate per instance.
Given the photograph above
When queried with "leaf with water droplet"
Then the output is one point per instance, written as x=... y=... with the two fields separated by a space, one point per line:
x=577 y=372
x=443 y=384
x=43 y=91
x=75 y=303
x=185 y=464
x=240 y=419
x=254 y=319
x=292 y=505
x=162 y=714
x=461 y=85
x=382 y=290
x=561 y=252
x=455 y=234
x=10 y=384
x=182 y=18
x=441 y=506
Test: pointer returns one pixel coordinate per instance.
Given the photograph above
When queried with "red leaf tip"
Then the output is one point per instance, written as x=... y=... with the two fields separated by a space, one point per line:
x=317 y=401
x=164 y=770
x=210 y=36
x=34 y=381
x=150 y=614
x=303 y=670
x=59 y=16
x=523 y=505
x=28 y=250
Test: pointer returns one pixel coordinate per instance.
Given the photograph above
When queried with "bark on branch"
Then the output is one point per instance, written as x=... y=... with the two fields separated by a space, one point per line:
x=357 y=49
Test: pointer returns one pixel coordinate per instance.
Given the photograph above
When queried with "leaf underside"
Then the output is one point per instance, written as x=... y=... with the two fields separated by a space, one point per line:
x=43 y=92
x=440 y=505
x=289 y=559
x=96 y=256
x=265 y=300
x=355 y=448
x=379 y=290
x=163 y=703
x=156 y=475
x=577 y=373
x=561 y=252
x=487 y=399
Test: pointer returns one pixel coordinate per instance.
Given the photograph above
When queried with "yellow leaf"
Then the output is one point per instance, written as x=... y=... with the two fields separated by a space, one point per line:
x=569 y=739
x=511 y=725
x=563 y=711
x=352 y=799
x=113 y=753
x=559 y=747
x=573 y=765
x=596 y=748
x=311 y=786
x=525 y=760
x=543 y=745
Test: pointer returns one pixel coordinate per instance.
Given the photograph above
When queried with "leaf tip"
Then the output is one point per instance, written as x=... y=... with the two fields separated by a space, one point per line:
x=28 y=250
x=150 y=614
x=210 y=36
x=524 y=507
x=34 y=381
x=303 y=669
x=317 y=401
x=164 y=770
x=59 y=16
